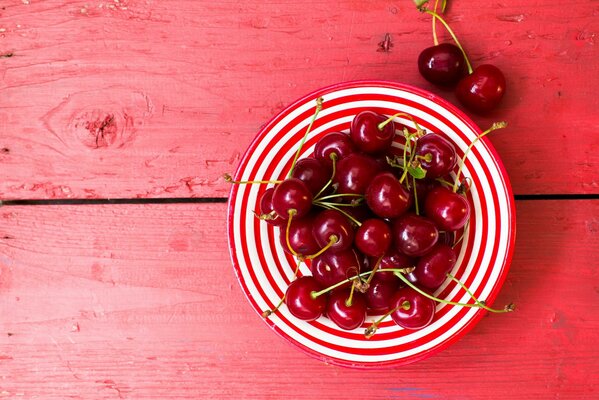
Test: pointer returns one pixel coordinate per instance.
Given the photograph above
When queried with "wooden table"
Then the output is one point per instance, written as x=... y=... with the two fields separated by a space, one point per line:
x=150 y=102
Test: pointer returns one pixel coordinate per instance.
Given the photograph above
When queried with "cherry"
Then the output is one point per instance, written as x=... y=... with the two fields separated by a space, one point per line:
x=436 y=155
x=337 y=143
x=300 y=300
x=354 y=173
x=314 y=173
x=373 y=237
x=292 y=196
x=442 y=64
x=267 y=212
x=386 y=196
x=432 y=268
x=330 y=267
x=380 y=293
x=448 y=210
x=368 y=135
x=347 y=309
x=334 y=228
x=391 y=260
x=414 y=235
x=483 y=89
x=301 y=239
x=412 y=309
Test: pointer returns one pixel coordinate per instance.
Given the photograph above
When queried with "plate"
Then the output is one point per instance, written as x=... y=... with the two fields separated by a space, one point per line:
x=264 y=270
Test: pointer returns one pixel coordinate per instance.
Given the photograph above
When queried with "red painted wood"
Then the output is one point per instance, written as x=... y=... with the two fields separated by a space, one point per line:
x=141 y=302
x=131 y=98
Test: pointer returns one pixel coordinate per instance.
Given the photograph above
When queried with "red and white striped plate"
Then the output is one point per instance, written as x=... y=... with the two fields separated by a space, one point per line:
x=264 y=270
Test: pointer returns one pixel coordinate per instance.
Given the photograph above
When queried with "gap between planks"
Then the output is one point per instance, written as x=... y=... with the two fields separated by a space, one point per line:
x=191 y=200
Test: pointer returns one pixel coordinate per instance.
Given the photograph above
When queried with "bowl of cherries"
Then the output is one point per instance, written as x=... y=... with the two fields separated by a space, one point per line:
x=371 y=224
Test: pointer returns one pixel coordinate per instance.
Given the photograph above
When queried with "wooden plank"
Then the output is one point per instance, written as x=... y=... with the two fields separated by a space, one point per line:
x=141 y=302
x=130 y=98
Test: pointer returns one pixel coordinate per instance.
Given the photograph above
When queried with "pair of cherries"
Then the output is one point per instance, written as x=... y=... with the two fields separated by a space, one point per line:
x=445 y=64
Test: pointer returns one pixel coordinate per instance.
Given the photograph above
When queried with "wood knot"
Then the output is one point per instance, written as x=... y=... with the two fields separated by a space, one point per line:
x=98 y=129
x=102 y=131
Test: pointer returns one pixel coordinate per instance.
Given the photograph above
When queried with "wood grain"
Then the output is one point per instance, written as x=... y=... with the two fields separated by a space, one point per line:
x=132 y=98
x=140 y=302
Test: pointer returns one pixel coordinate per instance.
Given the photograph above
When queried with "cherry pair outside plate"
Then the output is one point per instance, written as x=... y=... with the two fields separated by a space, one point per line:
x=264 y=270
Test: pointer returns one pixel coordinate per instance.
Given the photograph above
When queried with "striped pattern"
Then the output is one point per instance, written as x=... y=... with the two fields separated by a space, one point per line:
x=264 y=270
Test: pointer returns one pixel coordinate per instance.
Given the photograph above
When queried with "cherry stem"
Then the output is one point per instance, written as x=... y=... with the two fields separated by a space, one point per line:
x=382 y=125
x=371 y=330
x=299 y=149
x=374 y=270
x=229 y=178
x=291 y=214
x=337 y=195
x=415 y=196
x=495 y=126
x=443 y=181
x=332 y=206
x=270 y=216
x=507 y=308
x=453 y=36
x=456 y=280
x=408 y=162
x=267 y=313
x=397 y=271
x=349 y=301
x=462 y=236
x=435 y=39
x=332 y=240
x=333 y=157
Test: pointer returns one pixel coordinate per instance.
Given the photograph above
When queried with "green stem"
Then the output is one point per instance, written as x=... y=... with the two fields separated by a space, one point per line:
x=415 y=195
x=337 y=195
x=382 y=125
x=495 y=126
x=508 y=308
x=397 y=271
x=371 y=330
x=299 y=149
x=333 y=157
x=330 y=206
x=291 y=214
x=435 y=39
x=453 y=36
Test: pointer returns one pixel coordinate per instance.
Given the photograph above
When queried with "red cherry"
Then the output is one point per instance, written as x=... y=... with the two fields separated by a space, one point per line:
x=301 y=239
x=414 y=235
x=380 y=294
x=414 y=311
x=266 y=209
x=300 y=301
x=393 y=259
x=386 y=197
x=367 y=136
x=443 y=64
x=483 y=89
x=373 y=237
x=292 y=195
x=313 y=172
x=330 y=267
x=347 y=316
x=432 y=268
x=437 y=155
x=337 y=143
x=354 y=173
x=448 y=210
x=330 y=223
